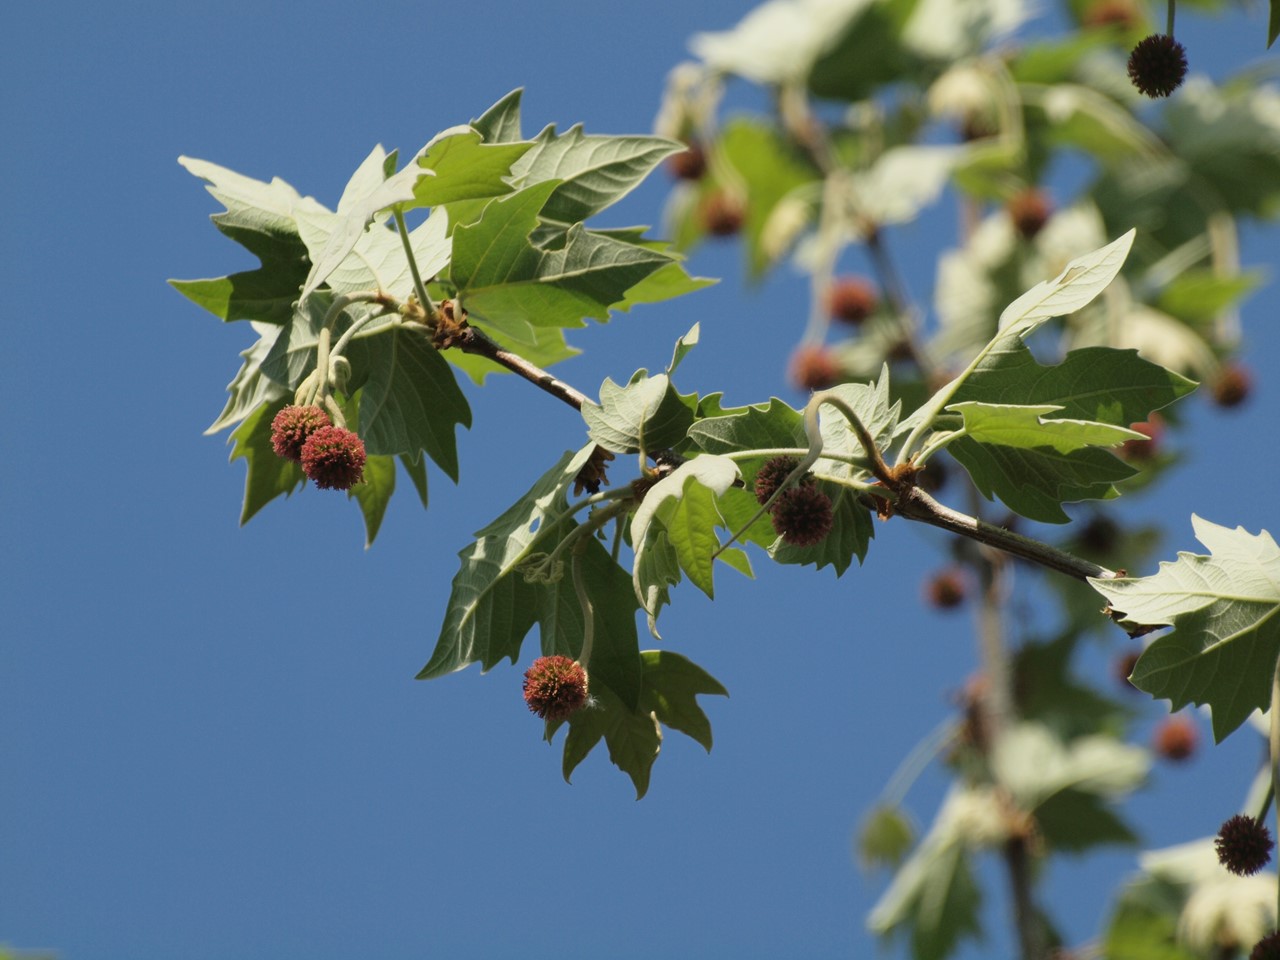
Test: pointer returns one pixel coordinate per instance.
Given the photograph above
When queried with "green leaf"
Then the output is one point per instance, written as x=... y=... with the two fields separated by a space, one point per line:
x=1034 y=764
x=933 y=897
x=771 y=166
x=903 y=181
x=593 y=171
x=1273 y=23
x=417 y=471
x=1072 y=821
x=261 y=218
x=456 y=165
x=493 y=606
x=268 y=476
x=671 y=685
x=511 y=284
x=1144 y=925
x=374 y=493
x=501 y=122
x=647 y=414
x=683 y=346
x=682 y=507
x=411 y=401
x=293 y=353
x=1200 y=296
x=757 y=427
x=870 y=403
x=885 y=837
x=251 y=387
x=1035 y=483
x=1026 y=425
x=1222 y=651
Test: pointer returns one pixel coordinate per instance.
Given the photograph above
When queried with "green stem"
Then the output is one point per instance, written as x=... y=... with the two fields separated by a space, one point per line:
x=588 y=612
x=340 y=347
x=418 y=286
x=1172 y=8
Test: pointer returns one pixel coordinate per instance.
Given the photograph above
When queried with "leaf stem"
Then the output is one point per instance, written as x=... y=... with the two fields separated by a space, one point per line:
x=419 y=287
x=584 y=601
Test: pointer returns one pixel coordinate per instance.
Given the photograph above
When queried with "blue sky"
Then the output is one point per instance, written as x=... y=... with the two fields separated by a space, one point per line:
x=211 y=740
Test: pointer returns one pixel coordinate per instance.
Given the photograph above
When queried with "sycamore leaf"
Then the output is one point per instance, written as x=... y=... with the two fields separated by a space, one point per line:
x=647 y=414
x=268 y=476
x=491 y=606
x=410 y=400
x=1034 y=764
x=757 y=427
x=592 y=171
x=510 y=284
x=870 y=402
x=933 y=897
x=1079 y=282
x=458 y=165
x=683 y=346
x=261 y=218
x=501 y=122
x=1072 y=821
x=293 y=353
x=1273 y=23
x=250 y=388
x=903 y=181
x=417 y=471
x=670 y=688
x=1027 y=425
x=682 y=508
x=373 y=494
x=1223 y=649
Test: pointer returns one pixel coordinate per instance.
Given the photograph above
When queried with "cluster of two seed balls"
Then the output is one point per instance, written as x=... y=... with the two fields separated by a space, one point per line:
x=802 y=514
x=332 y=456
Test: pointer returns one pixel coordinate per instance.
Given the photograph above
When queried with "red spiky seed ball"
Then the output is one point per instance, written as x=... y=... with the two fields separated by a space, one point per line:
x=945 y=590
x=1030 y=211
x=1268 y=948
x=1176 y=738
x=1158 y=65
x=1104 y=14
x=802 y=516
x=555 y=687
x=814 y=368
x=771 y=475
x=291 y=427
x=1232 y=385
x=334 y=458
x=721 y=214
x=852 y=299
x=1140 y=451
x=688 y=164
x=1244 y=845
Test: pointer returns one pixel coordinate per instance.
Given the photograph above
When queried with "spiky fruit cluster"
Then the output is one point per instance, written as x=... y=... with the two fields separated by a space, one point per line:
x=334 y=458
x=1141 y=451
x=852 y=299
x=814 y=368
x=555 y=687
x=1158 y=65
x=1244 y=845
x=688 y=164
x=1029 y=211
x=291 y=427
x=1232 y=385
x=945 y=590
x=1124 y=669
x=802 y=515
x=1102 y=14
x=1176 y=738
x=721 y=214
x=1268 y=948
x=771 y=475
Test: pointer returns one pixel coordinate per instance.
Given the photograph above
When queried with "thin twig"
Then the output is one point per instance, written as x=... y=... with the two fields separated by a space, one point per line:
x=470 y=340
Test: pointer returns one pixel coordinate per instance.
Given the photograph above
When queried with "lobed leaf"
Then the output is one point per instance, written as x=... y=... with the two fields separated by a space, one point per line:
x=647 y=414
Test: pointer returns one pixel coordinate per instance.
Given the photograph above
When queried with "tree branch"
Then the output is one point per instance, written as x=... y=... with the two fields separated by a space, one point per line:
x=914 y=504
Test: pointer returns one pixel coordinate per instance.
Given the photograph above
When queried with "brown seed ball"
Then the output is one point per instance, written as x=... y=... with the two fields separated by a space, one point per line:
x=555 y=687
x=1030 y=211
x=1232 y=386
x=721 y=215
x=1124 y=669
x=771 y=475
x=688 y=164
x=1104 y=14
x=945 y=590
x=1268 y=948
x=1158 y=65
x=802 y=516
x=1176 y=738
x=814 y=368
x=1244 y=845
x=852 y=299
